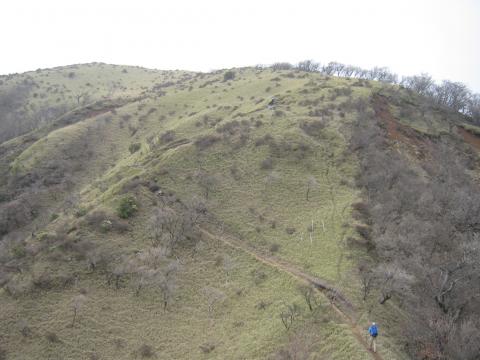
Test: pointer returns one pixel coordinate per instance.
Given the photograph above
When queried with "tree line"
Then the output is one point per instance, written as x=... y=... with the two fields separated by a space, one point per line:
x=454 y=95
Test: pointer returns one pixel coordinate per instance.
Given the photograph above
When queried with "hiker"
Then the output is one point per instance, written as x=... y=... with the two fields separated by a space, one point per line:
x=373 y=331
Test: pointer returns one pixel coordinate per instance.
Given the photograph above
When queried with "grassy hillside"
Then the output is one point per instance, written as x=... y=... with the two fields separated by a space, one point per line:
x=33 y=99
x=260 y=158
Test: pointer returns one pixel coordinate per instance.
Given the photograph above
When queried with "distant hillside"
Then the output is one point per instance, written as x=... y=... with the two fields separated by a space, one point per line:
x=34 y=99
x=253 y=213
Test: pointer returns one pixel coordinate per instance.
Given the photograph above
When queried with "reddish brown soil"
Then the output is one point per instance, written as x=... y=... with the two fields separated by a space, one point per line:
x=418 y=143
x=469 y=137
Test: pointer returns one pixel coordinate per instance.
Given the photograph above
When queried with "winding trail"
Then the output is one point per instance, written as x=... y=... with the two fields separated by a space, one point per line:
x=338 y=302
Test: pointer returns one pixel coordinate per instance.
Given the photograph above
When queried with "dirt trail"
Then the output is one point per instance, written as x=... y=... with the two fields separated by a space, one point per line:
x=338 y=302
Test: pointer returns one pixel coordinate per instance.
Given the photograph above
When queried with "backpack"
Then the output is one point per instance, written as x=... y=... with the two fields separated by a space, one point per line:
x=373 y=330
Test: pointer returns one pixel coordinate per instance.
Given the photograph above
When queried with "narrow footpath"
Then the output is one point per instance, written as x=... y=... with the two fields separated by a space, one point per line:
x=338 y=302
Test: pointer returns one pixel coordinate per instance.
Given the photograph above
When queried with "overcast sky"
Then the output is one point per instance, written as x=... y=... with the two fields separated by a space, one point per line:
x=441 y=37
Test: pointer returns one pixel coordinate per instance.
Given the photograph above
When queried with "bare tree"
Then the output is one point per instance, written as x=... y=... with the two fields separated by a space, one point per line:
x=167 y=284
x=452 y=94
x=153 y=269
x=308 y=66
x=228 y=266
x=77 y=303
x=156 y=225
x=117 y=273
x=367 y=279
x=473 y=108
x=213 y=297
x=289 y=314
x=422 y=84
x=82 y=98
x=300 y=345
x=206 y=181
x=311 y=184
x=308 y=293
x=391 y=280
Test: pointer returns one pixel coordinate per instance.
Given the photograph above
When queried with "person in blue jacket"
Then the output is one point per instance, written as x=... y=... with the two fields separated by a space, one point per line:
x=373 y=331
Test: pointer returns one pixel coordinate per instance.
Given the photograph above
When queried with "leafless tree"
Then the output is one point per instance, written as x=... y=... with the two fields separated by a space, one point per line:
x=308 y=294
x=228 y=266
x=300 y=345
x=207 y=182
x=77 y=303
x=422 y=84
x=311 y=184
x=82 y=98
x=308 y=66
x=213 y=297
x=452 y=94
x=473 y=108
x=367 y=280
x=289 y=314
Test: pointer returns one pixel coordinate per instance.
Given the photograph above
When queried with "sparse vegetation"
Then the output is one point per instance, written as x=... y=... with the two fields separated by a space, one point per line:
x=317 y=182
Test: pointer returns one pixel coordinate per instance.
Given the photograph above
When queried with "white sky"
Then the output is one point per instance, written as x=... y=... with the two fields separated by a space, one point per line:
x=441 y=37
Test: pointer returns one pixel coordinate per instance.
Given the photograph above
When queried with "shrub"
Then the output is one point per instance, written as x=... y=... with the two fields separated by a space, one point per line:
x=218 y=260
x=274 y=248
x=106 y=226
x=80 y=212
x=267 y=164
x=52 y=337
x=167 y=137
x=19 y=251
x=206 y=141
x=230 y=127
x=146 y=351
x=4 y=197
x=24 y=328
x=133 y=148
x=262 y=305
x=258 y=276
x=290 y=230
x=207 y=348
x=127 y=207
x=313 y=128
x=229 y=75
x=258 y=123
x=362 y=208
x=364 y=231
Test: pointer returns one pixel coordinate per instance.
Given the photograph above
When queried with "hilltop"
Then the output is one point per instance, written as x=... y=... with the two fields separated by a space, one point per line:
x=248 y=213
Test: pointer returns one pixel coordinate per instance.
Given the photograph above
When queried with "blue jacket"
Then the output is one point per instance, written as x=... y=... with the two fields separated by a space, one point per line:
x=373 y=330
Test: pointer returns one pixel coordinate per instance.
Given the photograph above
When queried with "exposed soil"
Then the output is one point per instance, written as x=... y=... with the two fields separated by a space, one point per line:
x=469 y=137
x=340 y=304
x=418 y=143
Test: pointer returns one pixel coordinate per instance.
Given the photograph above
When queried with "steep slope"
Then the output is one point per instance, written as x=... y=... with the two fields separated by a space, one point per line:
x=101 y=211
